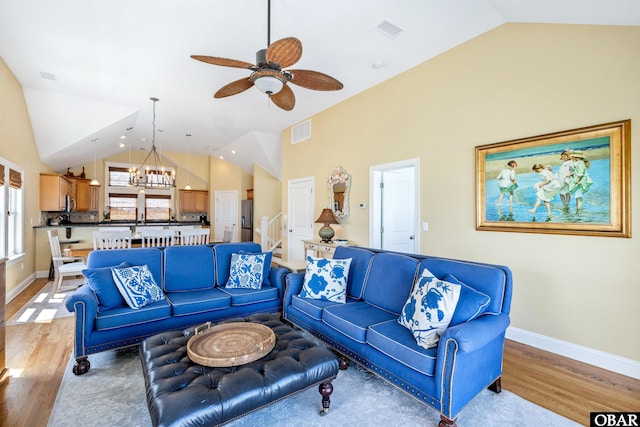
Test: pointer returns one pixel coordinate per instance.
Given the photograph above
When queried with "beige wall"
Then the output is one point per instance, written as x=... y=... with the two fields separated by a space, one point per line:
x=516 y=81
x=267 y=198
x=17 y=144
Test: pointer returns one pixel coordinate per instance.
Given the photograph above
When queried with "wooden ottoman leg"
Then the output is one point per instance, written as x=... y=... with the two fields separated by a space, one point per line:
x=82 y=365
x=344 y=362
x=325 y=390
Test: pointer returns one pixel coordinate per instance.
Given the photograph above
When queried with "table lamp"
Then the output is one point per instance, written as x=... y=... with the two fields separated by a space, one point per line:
x=326 y=217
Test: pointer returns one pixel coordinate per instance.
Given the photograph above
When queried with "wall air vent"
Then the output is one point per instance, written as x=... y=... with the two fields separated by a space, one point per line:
x=389 y=29
x=301 y=132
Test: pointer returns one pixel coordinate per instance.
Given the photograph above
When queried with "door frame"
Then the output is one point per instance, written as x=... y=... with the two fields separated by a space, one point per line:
x=375 y=173
x=219 y=226
x=312 y=182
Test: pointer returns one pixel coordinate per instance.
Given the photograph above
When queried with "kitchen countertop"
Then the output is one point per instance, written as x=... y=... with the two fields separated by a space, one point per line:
x=122 y=224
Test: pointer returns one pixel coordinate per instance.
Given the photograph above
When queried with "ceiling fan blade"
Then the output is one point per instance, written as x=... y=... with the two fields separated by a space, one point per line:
x=314 y=80
x=284 y=99
x=233 y=88
x=225 y=62
x=285 y=52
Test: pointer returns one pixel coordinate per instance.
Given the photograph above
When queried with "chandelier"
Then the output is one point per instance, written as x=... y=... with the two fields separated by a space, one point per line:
x=151 y=173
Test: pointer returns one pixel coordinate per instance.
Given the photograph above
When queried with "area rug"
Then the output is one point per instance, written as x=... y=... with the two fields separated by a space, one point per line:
x=112 y=393
x=46 y=305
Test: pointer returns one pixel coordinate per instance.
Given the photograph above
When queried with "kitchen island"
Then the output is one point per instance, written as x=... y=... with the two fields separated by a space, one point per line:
x=82 y=233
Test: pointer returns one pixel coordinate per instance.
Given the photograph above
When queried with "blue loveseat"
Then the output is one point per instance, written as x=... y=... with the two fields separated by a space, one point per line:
x=193 y=280
x=365 y=329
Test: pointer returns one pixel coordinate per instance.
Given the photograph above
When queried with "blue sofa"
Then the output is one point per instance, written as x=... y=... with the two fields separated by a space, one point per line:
x=192 y=278
x=365 y=329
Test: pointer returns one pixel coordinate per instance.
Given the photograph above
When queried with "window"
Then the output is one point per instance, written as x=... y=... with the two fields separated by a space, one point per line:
x=12 y=217
x=128 y=203
x=157 y=207
x=123 y=206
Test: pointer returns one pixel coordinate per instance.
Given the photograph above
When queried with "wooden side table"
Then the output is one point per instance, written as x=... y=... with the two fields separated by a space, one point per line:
x=322 y=249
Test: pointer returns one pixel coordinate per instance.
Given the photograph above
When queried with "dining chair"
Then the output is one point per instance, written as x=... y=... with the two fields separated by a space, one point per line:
x=228 y=234
x=63 y=266
x=197 y=236
x=111 y=240
x=157 y=237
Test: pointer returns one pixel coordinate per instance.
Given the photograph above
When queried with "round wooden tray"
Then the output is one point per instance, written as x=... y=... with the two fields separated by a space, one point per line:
x=230 y=344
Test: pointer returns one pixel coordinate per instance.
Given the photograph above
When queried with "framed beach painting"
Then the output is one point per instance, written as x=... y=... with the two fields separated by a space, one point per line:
x=570 y=182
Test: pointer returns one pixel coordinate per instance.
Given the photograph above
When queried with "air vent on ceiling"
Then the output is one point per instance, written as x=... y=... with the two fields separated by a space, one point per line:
x=301 y=132
x=389 y=29
x=48 y=76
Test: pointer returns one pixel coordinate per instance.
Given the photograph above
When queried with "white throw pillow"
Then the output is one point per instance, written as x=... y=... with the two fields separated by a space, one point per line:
x=429 y=309
x=246 y=271
x=137 y=286
x=326 y=279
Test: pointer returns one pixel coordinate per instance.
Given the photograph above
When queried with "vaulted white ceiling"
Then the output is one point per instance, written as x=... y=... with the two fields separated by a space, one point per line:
x=89 y=67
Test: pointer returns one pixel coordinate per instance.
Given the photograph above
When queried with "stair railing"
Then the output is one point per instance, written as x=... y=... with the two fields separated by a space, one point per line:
x=270 y=232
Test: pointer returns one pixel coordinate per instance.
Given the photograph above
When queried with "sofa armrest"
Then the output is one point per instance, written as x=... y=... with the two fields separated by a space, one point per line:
x=473 y=335
x=294 y=282
x=276 y=277
x=85 y=304
x=469 y=359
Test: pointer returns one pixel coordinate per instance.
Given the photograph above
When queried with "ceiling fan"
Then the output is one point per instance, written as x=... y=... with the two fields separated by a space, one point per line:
x=268 y=74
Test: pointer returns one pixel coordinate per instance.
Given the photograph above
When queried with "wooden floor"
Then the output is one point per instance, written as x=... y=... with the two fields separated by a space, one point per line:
x=37 y=355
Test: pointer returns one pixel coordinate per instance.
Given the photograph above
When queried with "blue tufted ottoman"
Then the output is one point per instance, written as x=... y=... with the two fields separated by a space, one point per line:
x=183 y=393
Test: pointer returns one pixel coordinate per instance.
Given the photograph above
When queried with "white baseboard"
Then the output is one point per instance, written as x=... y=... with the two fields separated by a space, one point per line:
x=610 y=362
x=21 y=287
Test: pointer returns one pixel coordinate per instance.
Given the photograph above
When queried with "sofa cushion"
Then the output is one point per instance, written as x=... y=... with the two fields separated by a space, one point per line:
x=471 y=303
x=353 y=319
x=398 y=342
x=484 y=278
x=359 y=269
x=240 y=296
x=267 y=266
x=101 y=282
x=326 y=279
x=429 y=309
x=186 y=303
x=389 y=281
x=151 y=257
x=223 y=253
x=312 y=307
x=121 y=317
x=137 y=286
x=188 y=268
x=246 y=271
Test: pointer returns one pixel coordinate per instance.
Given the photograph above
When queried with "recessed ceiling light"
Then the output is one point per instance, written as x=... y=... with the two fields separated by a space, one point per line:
x=233 y=151
x=123 y=136
x=376 y=65
x=221 y=158
x=122 y=145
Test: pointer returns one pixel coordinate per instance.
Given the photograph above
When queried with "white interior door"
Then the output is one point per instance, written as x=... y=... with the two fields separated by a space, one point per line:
x=394 y=213
x=226 y=207
x=300 y=221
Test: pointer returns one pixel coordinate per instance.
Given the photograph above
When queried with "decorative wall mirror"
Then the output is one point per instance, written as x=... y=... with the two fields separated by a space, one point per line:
x=339 y=182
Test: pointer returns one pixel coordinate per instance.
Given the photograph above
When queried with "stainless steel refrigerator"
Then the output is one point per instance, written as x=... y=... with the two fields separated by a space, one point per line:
x=246 y=232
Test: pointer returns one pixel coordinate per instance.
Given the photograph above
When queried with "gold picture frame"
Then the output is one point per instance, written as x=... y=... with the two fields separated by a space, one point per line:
x=580 y=184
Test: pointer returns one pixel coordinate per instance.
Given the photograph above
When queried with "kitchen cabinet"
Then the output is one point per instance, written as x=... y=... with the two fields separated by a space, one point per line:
x=85 y=195
x=53 y=191
x=94 y=202
x=194 y=201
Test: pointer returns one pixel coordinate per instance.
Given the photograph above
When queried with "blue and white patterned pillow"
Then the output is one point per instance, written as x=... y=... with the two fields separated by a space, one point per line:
x=429 y=309
x=247 y=271
x=326 y=279
x=136 y=285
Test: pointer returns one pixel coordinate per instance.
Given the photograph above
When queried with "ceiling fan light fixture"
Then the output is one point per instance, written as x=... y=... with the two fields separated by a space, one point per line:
x=268 y=84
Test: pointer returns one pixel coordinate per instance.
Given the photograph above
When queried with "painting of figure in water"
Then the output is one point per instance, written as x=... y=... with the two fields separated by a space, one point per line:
x=573 y=181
